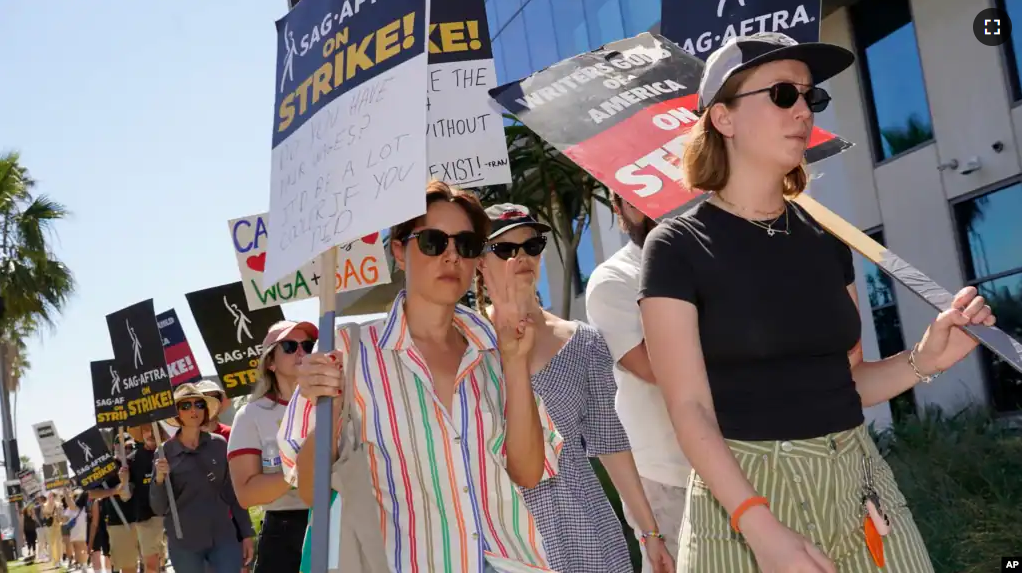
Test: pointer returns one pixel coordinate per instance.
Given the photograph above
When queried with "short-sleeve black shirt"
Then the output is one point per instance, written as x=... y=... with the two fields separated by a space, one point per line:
x=776 y=322
x=127 y=507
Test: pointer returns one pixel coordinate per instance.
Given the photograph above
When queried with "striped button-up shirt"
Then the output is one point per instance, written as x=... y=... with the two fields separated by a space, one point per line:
x=446 y=501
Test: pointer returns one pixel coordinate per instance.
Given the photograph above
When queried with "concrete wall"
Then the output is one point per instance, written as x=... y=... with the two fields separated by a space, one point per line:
x=970 y=109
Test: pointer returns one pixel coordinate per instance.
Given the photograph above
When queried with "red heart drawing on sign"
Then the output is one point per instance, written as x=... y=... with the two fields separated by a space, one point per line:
x=257 y=262
x=371 y=238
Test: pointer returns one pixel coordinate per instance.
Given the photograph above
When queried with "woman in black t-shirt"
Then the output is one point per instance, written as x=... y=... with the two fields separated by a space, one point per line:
x=749 y=310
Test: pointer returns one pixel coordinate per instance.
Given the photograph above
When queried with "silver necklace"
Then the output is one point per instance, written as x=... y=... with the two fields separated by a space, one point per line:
x=768 y=227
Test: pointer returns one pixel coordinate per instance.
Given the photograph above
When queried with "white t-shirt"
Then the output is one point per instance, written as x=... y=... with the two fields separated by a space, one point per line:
x=79 y=532
x=255 y=432
x=612 y=306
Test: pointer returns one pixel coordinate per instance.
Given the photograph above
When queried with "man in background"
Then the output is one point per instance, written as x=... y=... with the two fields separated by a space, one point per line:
x=118 y=510
x=148 y=526
x=210 y=388
x=612 y=307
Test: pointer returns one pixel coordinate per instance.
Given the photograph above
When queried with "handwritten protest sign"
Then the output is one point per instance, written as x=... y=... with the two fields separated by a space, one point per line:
x=55 y=474
x=360 y=263
x=181 y=367
x=702 y=27
x=90 y=458
x=111 y=410
x=30 y=485
x=349 y=148
x=233 y=333
x=14 y=494
x=49 y=441
x=466 y=145
x=623 y=113
x=140 y=364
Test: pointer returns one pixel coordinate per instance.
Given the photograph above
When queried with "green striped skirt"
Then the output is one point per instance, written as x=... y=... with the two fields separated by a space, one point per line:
x=815 y=488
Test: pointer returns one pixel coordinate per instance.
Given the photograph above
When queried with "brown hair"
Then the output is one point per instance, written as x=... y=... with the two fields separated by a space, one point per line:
x=705 y=162
x=437 y=190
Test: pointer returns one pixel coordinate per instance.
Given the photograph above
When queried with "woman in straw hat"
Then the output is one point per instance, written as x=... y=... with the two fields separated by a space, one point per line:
x=196 y=462
x=254 y=457
x=749 y=311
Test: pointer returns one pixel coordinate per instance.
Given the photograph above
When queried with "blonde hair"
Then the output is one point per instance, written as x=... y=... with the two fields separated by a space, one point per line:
x=705 y=162
x=480 y=295
x=266 y=380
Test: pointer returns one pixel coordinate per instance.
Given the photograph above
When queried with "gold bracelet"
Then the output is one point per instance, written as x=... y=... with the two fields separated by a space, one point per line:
x=915 y=368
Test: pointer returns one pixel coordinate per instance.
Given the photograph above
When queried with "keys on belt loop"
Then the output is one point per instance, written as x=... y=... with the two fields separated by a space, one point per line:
x=875 y=522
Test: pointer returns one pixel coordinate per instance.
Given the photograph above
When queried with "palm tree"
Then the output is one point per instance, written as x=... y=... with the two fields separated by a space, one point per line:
x=555 y=189
x=34 y=284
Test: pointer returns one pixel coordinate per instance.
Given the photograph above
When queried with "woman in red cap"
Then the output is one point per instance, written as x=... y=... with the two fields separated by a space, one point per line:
x=254 y=456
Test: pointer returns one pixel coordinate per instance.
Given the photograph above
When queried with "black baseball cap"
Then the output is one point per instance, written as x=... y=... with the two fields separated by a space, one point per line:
x=742 y=53
x=507 y=216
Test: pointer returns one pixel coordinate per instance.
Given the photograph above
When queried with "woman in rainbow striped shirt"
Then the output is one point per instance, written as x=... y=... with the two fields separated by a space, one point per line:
x=448 y=415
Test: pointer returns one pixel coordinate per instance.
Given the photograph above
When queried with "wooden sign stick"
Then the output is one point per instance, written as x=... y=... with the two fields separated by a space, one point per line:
x=992 y=338
x=166 y=480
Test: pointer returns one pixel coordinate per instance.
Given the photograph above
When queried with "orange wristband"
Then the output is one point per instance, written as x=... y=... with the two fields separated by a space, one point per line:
x=749 y=503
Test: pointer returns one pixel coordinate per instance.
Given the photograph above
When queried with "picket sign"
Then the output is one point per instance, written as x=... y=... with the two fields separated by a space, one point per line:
x=138 y=349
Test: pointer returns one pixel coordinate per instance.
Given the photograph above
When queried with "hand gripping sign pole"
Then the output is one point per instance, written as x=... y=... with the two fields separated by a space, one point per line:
x=324 y=423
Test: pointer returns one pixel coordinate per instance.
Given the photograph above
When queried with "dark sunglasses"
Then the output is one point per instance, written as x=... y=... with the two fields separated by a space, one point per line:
x=433 y=243
x=199 y=404
x=506 y=250
x=291 y=347
x=785 y=94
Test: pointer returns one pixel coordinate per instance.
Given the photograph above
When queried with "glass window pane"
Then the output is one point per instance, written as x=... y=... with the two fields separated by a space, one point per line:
x=1014 y=10
x=516 y=54
x=585 y=259
x=640 y=15
x=544 y=285
x=990 y=232
x=879 y=285
x=491 y=19
x=604 y=19
x=1005 y=298
x=505 y=9
x=539 y=22
x=498 y=61
x=890 y=61
x=888 y=328
x=570 y=23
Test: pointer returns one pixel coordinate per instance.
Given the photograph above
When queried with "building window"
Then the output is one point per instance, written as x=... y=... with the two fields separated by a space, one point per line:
x=570 y=25
x=516 y=53
x=539 y=21
x=640 y=15
x=585 y=259
x=504 y=11
x=989 y=236
x=890 y=340
x=543 y=285
x=892 y=76
x=604 y=21
x=1013 y=49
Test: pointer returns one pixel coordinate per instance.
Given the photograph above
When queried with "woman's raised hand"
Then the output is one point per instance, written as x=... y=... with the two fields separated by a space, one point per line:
x=516 y=331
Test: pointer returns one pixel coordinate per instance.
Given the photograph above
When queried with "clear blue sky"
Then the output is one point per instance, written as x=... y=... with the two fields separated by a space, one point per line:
x=151 y=121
